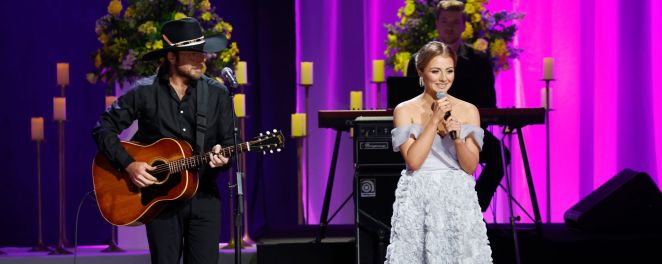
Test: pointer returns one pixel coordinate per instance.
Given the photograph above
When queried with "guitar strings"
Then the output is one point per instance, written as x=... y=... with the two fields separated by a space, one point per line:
x=185 y=163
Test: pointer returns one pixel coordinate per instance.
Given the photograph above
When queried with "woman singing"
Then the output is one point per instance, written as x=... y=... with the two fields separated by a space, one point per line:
x=436 y=216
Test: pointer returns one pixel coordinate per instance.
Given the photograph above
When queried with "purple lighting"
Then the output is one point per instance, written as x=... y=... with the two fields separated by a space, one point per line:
x=607 y=96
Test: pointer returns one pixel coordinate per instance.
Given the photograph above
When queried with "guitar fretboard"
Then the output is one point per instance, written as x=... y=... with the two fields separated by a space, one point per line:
x=197 y=160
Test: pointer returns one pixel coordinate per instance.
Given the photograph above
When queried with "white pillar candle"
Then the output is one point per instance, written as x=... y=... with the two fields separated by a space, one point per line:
x=37 y=125
x=306 y=73
x=378 y=71
x=241 y=72
x=240 y=105
x=59 y=108
x=356 y=100
x=299 y=125
x=548 y=68
x=63 y=74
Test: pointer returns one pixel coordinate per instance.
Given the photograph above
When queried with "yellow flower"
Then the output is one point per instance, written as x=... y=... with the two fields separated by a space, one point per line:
x=158 y=44
x=153 y=45
x=130 y=12
x=147 y=28
x=205 y=5
x=480 y=45
x=409 y=8
x=391 y=38
x=97 y=60
x=179 y=15
x=115 y=7
x=469 y=9
x=468 y=31
x=185 y=2
x=402 y=61
x=403 y=20
x=498 y=48
x=475 y=18
x=103 y=38
x=91 y=78
x=206 y=16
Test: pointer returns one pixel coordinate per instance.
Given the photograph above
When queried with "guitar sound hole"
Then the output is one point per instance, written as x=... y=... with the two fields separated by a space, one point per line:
x=155 y=191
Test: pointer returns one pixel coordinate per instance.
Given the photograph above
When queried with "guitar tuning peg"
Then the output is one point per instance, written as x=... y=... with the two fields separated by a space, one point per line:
x=268 y=133
x=271 y=151
x=275 y=131
x=264 y=152
x=278 y=149
x=260 y=134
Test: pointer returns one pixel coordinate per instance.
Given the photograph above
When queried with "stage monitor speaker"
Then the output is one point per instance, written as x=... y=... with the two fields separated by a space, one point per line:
x=375 y=194
x=630 y=201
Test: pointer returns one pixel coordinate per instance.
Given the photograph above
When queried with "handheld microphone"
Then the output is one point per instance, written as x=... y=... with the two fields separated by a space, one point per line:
x=228 y=77
x=453 y=134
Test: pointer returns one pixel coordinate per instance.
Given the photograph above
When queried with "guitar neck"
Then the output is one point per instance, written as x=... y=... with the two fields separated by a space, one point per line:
x=202 y=159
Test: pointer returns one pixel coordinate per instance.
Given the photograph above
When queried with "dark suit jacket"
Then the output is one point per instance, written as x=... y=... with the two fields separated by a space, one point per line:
x=474 y=77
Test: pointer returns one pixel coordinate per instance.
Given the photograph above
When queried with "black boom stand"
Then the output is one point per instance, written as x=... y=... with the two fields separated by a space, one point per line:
x=230 y=80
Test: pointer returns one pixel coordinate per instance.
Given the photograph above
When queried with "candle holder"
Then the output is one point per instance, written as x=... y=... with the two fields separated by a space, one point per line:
x=548 y=108
x=40 y=246
x=112 y=245
x=63 y=242
x=305 y=142
x=379 y=94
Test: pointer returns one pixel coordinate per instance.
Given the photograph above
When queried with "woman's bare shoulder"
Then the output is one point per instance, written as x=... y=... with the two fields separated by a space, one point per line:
x=467 y=112
x=404 y=112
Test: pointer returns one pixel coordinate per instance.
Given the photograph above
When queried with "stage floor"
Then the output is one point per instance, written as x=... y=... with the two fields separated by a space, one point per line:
x=93 y=255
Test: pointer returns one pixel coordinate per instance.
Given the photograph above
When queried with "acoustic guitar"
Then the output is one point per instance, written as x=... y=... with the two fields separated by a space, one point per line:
x=123 y=203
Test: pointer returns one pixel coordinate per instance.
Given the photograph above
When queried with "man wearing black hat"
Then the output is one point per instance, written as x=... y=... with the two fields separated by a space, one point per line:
x=168 y=105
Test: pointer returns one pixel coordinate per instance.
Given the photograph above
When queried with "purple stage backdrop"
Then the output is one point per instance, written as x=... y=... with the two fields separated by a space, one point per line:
x=606 y=100
x=606 y=97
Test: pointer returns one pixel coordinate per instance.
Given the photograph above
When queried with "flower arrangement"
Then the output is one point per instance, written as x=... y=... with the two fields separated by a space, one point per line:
x=126 y=36
x=484 y=31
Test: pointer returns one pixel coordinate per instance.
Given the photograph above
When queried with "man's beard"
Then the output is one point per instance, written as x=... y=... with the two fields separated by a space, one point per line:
x=190 y=73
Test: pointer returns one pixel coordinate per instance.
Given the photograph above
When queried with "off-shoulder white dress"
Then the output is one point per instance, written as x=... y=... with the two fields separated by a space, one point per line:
x=436 y=216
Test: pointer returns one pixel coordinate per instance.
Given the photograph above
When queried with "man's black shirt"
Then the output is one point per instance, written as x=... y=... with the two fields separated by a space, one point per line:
x=160 y=114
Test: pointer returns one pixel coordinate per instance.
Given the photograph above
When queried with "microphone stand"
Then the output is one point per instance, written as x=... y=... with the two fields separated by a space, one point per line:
x=239 y=205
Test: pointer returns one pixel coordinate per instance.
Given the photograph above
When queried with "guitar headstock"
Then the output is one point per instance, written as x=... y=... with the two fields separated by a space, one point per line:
x=268 y=141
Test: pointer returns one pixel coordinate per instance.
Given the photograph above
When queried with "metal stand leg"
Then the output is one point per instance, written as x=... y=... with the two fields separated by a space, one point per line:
x=529 y=180
x=329 y=189
x=510 y=208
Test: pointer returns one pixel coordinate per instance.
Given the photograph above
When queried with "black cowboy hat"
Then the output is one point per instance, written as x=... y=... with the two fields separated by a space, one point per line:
x=185 y=35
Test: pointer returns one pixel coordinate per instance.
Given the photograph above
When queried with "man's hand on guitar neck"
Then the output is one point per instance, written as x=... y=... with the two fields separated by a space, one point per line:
x=139 y=176
x=217 y=160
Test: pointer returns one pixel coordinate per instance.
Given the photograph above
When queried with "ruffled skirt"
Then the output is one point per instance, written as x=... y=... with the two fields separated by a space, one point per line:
x=437 y=219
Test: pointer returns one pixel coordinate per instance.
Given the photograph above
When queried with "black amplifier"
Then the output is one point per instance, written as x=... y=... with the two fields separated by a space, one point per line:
x=372 y=142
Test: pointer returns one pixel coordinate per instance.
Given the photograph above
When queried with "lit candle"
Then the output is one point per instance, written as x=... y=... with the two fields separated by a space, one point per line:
x=37 y=128
x=240 y=105
x=59 y=108
x=298 y=125
x=543 y=97
x=306 y=73
x=240 y=71
x=378 y=71
x=548 y=68
x=63 y=74
x=110 y=100
x=356 y=100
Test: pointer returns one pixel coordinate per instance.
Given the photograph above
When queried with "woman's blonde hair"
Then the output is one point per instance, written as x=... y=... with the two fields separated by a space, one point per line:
x=433 y=49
